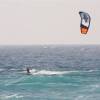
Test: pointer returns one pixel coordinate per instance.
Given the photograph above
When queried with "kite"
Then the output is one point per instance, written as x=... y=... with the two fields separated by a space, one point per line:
x=85 y=22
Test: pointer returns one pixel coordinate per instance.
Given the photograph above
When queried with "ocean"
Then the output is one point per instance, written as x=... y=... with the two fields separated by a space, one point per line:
x=58 y=72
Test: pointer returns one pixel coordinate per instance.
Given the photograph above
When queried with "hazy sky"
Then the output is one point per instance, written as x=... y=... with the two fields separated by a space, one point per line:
x=47 y=21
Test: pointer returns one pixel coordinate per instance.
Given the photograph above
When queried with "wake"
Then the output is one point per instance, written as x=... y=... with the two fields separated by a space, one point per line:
x=47 y=72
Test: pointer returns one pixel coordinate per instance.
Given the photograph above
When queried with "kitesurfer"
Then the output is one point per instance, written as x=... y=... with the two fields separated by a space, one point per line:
x=28 y=70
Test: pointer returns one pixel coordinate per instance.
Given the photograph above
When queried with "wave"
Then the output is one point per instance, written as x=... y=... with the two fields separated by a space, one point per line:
x=90 y=71
x=10 y=96
x=7 y=83
x=1 y=70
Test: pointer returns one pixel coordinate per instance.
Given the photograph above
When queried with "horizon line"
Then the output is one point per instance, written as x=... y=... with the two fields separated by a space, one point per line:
x=44 y=44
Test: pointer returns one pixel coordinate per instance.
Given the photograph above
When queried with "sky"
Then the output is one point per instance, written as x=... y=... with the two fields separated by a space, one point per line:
x=29 y=22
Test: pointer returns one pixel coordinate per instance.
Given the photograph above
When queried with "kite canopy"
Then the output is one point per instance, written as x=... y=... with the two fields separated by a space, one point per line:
x=85 y=22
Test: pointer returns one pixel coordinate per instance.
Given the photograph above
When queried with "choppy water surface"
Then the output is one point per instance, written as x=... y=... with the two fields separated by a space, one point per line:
x=57 y=72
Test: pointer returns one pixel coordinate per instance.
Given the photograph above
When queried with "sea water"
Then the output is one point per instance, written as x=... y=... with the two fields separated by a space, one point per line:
x=67 y=72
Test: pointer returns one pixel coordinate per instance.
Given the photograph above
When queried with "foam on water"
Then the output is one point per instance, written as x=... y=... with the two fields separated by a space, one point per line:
x=48 y=72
